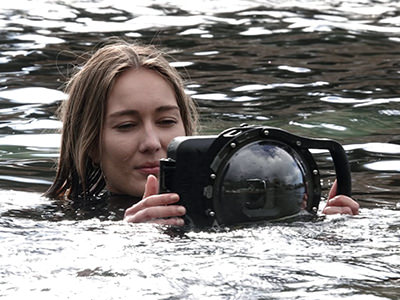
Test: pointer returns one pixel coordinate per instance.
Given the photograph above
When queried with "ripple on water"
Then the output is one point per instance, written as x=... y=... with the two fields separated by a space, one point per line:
x=317 y=67
x=31 y=95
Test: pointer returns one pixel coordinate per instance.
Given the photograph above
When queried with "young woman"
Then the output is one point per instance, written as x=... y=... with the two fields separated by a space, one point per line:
x=125 y=105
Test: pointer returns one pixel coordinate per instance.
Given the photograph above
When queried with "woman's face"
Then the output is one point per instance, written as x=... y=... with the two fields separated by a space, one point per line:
x=142 y=117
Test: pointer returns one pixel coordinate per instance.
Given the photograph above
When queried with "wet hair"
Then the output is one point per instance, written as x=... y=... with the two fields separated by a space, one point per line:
x=83 y=113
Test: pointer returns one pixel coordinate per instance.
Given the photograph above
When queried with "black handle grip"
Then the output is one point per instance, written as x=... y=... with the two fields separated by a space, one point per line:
x=342 y=168
x=340 y=161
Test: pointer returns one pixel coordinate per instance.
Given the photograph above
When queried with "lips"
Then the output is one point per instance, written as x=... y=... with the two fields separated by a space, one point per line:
x=149 y=168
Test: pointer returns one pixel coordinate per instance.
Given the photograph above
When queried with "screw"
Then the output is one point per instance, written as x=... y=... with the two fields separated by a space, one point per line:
x=210 y=213
x=233 y=145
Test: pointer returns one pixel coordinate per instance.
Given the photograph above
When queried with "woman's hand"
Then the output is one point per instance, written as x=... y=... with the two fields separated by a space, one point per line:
x=156 y=208
x=340 y=204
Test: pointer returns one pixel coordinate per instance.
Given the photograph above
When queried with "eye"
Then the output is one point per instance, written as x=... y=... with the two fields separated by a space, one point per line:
x=125 y=126
x=167 y=122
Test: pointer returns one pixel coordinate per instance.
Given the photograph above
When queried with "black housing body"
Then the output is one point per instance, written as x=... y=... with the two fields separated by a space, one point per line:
x=248 y=174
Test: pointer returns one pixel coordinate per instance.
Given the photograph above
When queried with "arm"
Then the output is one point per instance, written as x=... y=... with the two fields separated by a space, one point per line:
x=340 y=204
x=156 y=208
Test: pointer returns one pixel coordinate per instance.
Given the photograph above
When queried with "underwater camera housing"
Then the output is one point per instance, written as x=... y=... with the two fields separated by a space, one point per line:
x=248 y=174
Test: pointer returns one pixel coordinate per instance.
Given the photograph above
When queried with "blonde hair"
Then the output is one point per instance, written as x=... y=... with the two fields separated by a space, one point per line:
x=83 y=113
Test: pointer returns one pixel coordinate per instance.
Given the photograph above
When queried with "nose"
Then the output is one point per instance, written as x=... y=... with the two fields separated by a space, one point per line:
x=150 y=140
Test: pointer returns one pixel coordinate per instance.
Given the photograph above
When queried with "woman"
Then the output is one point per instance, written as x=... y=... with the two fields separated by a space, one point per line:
x=125 y=105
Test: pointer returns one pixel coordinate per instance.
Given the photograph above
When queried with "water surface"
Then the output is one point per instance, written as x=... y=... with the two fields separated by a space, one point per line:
x=315 y=68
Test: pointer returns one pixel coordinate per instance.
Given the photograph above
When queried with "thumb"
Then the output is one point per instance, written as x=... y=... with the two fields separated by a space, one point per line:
x=333 y=191
x=151 y=187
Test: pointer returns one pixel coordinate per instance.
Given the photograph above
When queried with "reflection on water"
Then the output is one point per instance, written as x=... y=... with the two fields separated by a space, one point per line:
x=342 y=257
x=316 y=68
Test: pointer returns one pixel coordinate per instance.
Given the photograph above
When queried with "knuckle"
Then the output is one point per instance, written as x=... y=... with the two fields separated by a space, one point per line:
x=145 y=214
x=346 y=210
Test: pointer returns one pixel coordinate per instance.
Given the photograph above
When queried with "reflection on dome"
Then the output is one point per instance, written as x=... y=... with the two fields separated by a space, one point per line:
x=262 y=180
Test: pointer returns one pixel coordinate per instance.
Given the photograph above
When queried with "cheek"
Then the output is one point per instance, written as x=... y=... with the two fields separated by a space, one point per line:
x=116 y=148
x=166 y=138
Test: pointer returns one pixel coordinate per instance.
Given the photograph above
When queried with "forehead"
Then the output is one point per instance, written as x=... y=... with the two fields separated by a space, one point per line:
x=140 y=89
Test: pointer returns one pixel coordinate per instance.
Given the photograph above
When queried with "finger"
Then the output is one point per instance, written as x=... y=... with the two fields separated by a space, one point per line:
x=169 y=221
x=157 y=212
x=344 y=201
x=153 y=200
x=151 y=187
x=333 y=190
x=343 y=210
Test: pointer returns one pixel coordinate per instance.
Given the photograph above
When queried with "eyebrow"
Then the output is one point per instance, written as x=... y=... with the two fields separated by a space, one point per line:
x=128 y=112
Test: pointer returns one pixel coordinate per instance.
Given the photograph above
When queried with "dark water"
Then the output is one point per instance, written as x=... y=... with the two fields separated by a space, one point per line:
x=315 y=68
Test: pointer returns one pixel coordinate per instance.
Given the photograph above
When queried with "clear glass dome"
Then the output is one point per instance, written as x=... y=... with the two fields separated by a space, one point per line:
x=263 y=180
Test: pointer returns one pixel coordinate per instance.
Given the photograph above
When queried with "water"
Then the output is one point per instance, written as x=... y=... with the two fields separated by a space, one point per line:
x=315 y=68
